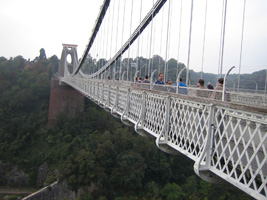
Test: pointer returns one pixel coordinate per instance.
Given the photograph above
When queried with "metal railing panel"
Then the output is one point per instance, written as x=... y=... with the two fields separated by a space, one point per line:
x=240 y=155
x=188 y=126
x=237 y=134
x=122 y=98
x=135 y=106
x=155 y=107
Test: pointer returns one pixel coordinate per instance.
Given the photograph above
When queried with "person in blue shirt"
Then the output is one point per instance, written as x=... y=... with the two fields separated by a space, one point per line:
x=181 y=83
x=182 y=87
x=159 y=83
x=160 y=79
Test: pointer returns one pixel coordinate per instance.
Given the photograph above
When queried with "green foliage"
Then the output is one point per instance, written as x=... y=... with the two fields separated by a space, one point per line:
x=24 y=89
x=93 y=150
x=12 y=197
x=171 y=191
x=151 y=190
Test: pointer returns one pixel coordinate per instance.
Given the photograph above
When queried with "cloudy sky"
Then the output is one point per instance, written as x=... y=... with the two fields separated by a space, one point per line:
x=29 y=25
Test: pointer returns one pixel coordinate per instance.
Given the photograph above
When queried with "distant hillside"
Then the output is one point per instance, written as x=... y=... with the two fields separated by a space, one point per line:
x=95 y=153
x=247 y=81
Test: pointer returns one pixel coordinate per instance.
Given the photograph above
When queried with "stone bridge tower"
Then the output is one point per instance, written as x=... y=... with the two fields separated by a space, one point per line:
x=63 y=98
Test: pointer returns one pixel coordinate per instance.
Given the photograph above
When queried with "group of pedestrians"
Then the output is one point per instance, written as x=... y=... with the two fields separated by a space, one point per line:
x=145 y=83
x=202 y=91
x=181 y=89
x=139 y=80
x=216 y=94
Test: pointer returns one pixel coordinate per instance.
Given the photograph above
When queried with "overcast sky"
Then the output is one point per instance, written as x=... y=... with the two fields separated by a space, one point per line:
x=29 y=25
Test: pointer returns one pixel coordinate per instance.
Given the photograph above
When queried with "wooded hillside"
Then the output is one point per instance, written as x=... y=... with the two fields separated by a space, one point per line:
x=93 y=150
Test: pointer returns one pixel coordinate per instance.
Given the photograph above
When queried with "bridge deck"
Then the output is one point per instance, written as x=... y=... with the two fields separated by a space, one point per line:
x=186 y=124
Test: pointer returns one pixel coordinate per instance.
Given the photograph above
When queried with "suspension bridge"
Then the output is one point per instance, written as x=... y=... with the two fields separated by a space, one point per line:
x=224 y=136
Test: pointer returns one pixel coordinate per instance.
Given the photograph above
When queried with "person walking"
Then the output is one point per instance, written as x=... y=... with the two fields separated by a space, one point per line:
x=160 y=79
x=218 y=90
x=159 y=84
x=202 y=90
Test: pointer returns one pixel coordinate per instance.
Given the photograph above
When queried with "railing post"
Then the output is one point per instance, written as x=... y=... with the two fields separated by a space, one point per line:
x=162 y=138
x=203 y=162
x=97 y=91
x=93 y=91
x=101 y=100
x=90 y=89
x=139 y=126
x=124 y=117
x=108 y=99
x=115 y=107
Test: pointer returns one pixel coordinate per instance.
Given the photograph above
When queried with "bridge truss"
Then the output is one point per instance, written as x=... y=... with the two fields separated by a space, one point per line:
x=227 y=140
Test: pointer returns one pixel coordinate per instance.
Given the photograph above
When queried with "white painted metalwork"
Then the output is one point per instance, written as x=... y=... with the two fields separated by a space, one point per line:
x=227 y=141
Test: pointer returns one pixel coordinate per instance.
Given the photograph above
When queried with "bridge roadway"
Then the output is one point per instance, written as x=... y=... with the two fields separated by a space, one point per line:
x=226 y=140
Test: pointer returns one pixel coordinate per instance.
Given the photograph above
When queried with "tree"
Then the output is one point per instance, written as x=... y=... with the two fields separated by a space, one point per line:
x=54 y=61
x=171 y=191
x=42 y=55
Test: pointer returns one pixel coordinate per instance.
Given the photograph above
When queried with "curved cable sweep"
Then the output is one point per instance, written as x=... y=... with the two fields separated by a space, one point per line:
x=226 y=139
x=148 y=18
x=95 y=31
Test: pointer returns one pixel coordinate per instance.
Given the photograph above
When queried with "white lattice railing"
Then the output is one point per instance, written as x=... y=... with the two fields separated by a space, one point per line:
x=227 y=141
x=242 y=97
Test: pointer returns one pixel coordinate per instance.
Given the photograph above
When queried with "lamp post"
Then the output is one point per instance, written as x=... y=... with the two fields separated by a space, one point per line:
x=224 y=83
